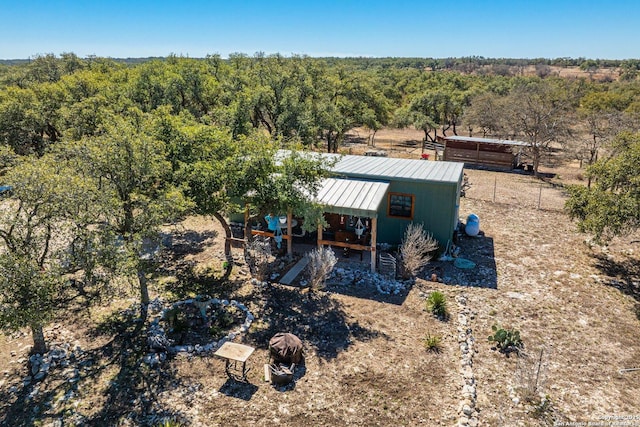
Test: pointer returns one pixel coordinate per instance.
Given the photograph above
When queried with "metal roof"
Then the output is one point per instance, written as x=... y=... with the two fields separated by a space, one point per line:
x=389 y=168
x=352 y=196
x=486 y=140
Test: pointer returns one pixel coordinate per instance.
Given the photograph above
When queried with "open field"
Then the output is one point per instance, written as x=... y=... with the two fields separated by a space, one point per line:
x=366 y=363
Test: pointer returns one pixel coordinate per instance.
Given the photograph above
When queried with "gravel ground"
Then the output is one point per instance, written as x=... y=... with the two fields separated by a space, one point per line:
x=366 y=363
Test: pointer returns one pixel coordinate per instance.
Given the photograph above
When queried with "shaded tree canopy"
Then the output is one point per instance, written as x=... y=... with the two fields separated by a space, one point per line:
x=611 y=205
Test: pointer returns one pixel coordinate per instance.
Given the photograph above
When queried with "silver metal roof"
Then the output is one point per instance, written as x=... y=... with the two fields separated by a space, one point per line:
x=391 y=169
x=388 y=168
x=486 y=140
x=352 y=196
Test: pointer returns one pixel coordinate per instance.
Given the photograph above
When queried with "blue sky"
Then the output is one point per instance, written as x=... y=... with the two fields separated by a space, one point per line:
x=495 y=29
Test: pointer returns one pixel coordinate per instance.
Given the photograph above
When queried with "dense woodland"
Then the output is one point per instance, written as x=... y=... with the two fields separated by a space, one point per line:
x=316 y=101
x=100 y=152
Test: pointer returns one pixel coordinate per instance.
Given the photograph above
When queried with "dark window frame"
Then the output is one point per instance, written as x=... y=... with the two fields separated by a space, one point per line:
x=394 y=213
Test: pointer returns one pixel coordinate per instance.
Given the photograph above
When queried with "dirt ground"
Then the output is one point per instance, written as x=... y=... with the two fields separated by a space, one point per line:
x=366 y=363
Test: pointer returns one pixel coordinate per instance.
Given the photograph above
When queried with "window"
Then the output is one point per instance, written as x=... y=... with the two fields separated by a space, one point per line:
x=400 y=205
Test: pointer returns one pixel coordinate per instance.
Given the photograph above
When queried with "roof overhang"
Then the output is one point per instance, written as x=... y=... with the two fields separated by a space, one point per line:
x=352 y=196
x=486 y=141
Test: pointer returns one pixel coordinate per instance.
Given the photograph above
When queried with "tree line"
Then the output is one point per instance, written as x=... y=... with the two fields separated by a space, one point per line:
x=314 y=101
x=98 y=153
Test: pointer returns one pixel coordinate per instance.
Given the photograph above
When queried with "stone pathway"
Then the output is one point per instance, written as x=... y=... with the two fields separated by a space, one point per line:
x=467 y=410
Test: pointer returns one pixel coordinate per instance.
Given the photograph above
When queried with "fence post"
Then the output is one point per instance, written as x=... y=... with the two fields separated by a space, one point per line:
x=495 y=184
x=539 y=195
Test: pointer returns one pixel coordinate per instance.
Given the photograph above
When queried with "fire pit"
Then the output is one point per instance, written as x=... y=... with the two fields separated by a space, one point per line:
x=286 y=351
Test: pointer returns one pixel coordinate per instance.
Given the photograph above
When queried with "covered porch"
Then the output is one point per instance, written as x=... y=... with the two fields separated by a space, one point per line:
x=351 y=212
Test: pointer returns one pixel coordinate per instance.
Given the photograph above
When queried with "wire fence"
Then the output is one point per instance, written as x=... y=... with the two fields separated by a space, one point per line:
x=515 y=188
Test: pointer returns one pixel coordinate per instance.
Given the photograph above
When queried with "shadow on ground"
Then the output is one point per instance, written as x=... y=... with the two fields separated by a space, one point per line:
x=356 y=289
x=238 y=389
x=132 y=390
x=624 y=274
x=190 y=281
x=480 y=250
x=316 y=318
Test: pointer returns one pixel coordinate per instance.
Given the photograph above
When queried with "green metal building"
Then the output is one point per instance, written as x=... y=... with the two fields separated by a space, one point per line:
x=419 y=191
x=372 y=200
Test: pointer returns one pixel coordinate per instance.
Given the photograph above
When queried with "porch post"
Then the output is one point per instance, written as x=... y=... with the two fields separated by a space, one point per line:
x=319 y=233
x=290 y=239
x=374 y=233
x=247 y=229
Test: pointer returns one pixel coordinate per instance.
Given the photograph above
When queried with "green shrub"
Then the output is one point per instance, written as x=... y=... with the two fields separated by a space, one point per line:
x=216 y=332
x=177 y=320
x=223 y=318
x=437 y=305
x=506 y=340
x=433 y=343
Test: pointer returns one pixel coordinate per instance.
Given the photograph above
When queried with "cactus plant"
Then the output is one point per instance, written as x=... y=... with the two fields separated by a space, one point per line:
x=506 y=340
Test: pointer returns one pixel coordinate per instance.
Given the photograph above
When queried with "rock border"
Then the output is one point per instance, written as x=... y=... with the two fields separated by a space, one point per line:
x=468 y=412
x=160 y=345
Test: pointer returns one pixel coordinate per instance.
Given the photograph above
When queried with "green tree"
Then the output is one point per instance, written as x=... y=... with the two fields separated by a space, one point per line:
x=27 y=296
x=345 y=100
x=611 y=205
x=136 y=177
x=486 y=112
x=220 y=172
x=600 y=121
x=43 y=216
x=434 y=101
x=421 y=114
x=280 y=95
x=88 y=100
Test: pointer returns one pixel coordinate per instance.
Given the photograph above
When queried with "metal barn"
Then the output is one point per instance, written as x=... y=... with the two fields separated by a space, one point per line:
x=484 y=152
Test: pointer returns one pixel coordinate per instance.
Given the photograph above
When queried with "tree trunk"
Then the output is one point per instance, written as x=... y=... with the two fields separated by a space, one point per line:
x=39 y=344
x=536 y=161
x=373 y=136
x=128 y=217
x=432 y=138
x=227 y=244
x=144 y=289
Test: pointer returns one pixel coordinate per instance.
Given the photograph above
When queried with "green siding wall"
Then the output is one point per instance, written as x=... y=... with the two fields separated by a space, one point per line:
x=435 y=206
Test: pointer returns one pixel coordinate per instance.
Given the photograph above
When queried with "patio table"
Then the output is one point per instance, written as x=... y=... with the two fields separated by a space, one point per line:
x=234 y=353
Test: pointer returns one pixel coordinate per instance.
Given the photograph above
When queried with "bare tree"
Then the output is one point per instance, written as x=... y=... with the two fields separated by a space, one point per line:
x=485 y=112
x=539 y=113
x=531 y=374
x=599 y=128
x=416 y=249
x=321 y=263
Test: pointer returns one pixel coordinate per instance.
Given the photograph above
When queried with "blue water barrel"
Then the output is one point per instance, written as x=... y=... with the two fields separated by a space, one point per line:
x=473 y=225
